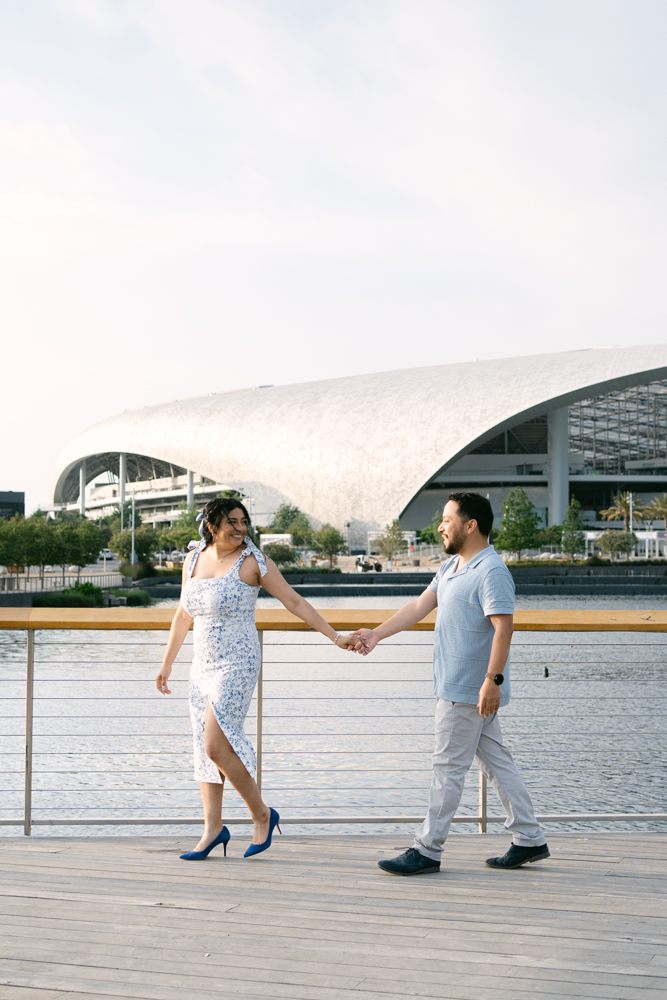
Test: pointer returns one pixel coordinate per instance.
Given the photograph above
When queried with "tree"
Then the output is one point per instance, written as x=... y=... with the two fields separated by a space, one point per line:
x=31 y=543
x=68 y=547
x=620 y=510
x=282 y=555
x=145 y=544
x=329 y=541
x=289 y=520
x=89 y=543
x=430 y=534
x=11 y=542
x=572 y=530
x=391 y=541
x=520 y=523
x=657 y=509
x=282 y=519
x=617 y=542
x=186 y=528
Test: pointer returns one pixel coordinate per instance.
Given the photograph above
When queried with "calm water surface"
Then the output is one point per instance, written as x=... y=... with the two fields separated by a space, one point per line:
x=343 y=736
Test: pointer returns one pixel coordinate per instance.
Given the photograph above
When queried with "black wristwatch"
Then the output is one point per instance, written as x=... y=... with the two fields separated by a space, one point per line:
x=496 y=678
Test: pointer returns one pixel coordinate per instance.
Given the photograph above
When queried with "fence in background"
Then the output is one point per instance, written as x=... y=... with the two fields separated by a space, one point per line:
x=326 y=723
x=13 y=585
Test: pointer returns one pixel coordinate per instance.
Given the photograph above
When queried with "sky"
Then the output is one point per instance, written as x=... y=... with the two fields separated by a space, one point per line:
x=202 y=195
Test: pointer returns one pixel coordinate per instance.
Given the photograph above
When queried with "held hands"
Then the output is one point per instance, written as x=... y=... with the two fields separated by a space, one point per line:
x=348 y=642
x=161 y=680
x=363 y=641
x=489 y=698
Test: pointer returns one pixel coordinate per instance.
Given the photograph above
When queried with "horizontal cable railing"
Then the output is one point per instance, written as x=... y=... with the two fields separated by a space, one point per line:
x=87 y=741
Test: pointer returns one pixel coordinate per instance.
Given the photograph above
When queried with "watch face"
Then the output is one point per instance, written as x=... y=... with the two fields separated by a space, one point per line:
x=499 y=678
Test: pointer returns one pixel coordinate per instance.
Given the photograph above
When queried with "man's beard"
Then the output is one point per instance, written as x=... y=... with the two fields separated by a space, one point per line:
x=453 y=544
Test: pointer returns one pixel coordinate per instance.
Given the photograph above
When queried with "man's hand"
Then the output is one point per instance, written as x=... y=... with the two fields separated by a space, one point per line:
x=489 y=698
x=366 y=640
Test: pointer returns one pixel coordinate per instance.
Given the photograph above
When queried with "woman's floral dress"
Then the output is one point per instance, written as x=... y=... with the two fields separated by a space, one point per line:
x=226 y=659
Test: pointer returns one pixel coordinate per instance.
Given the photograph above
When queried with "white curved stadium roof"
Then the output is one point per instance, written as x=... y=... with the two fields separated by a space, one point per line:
x=358 y=448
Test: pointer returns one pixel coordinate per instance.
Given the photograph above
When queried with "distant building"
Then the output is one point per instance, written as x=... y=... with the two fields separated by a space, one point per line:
x=11 y=503
x=365 y=449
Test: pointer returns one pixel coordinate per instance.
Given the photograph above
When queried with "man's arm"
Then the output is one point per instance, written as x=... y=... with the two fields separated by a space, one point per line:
x=489 y=693
x=405 y=618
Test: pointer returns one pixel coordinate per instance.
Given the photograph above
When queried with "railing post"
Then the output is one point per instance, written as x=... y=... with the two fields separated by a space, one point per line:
x=30 y=687
x=482 y=801
x=260 y=692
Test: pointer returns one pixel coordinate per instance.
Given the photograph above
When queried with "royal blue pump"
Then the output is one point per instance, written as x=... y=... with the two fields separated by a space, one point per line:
x=258 y=848
x=222 y=838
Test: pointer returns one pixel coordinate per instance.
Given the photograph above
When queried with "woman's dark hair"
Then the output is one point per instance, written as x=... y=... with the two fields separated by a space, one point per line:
x=215 y=510
x=473 y=506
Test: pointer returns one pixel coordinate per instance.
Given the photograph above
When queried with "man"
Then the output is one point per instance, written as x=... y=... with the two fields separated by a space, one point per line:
x=474 y=594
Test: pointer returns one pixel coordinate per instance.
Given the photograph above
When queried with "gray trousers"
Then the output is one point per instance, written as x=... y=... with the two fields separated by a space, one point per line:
x=461 y=736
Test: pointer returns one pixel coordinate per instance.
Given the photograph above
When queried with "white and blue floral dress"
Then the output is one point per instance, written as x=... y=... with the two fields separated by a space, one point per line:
x=227 y=657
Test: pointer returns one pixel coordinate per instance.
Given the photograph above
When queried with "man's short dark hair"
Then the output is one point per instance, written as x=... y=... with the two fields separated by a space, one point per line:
x=474 y=505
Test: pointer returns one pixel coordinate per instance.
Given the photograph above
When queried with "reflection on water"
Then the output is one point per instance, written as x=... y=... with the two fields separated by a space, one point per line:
x=343 y=736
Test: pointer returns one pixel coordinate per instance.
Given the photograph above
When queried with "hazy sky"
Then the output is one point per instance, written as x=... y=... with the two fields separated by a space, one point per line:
x=199 y=195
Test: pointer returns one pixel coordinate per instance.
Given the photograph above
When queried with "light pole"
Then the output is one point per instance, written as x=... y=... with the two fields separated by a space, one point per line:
x=133 y=557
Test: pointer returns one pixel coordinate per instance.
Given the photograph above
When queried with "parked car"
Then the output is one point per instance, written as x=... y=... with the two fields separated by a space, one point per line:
x=105 y=554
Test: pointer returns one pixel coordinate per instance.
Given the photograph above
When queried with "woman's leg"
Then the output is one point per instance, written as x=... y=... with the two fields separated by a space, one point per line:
x=211 y=795
x=221 y=752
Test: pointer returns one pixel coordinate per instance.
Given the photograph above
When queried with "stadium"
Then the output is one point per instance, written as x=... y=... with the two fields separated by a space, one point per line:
x=357 y=452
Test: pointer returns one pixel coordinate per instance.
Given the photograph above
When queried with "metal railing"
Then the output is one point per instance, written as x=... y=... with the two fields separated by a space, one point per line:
x=388 y=697
x=34 y=584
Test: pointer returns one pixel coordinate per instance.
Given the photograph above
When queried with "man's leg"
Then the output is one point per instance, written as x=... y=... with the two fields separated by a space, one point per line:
x=457 y=734
x=497 y=763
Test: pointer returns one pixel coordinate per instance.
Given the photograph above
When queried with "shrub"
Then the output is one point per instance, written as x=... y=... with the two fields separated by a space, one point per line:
x=86 y=590
x=62 y=599
x=139 y=571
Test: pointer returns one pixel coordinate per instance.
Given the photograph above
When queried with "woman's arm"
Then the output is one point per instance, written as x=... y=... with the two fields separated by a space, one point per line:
x=276 y=585
x=177 y=633
x=405 y=618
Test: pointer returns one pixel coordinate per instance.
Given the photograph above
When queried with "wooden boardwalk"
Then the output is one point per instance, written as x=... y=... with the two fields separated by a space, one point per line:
x=315 y=919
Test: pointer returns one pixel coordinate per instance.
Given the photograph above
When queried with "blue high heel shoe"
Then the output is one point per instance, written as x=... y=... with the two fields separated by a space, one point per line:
x=222 y=838
x=258 y=848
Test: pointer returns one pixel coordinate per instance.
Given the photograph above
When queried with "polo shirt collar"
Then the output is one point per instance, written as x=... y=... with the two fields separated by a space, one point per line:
x=475 y=561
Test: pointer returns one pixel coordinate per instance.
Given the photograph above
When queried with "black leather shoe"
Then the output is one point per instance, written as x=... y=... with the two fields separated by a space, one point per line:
x=517 y=856
x=410 y=863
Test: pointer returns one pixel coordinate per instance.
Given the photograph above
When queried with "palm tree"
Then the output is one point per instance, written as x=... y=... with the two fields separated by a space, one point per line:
x=620 y=509
x=657 y=510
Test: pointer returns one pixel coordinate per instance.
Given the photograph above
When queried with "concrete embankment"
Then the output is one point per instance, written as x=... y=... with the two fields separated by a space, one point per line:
x=589 y=581
x=584 y=581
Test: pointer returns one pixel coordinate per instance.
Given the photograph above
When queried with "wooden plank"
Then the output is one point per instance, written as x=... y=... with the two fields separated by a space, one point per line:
x=340 y=619
x=28 y=993
x=316 y=920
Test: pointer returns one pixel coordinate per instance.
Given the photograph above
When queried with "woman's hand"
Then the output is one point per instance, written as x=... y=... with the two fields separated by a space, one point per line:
x=161 y=680
x=352 y=643
x=364 y=640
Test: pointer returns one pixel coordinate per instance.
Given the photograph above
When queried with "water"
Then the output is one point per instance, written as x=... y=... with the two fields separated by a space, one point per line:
x=343 y=735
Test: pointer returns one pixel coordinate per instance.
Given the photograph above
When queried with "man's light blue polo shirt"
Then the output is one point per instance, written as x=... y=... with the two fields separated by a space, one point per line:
x=463 y=631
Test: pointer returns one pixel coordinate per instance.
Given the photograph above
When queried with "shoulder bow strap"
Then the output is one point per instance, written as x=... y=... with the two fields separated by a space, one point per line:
x=259 y=556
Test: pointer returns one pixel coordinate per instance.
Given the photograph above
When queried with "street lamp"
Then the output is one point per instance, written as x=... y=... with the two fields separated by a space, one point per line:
x=133 y=557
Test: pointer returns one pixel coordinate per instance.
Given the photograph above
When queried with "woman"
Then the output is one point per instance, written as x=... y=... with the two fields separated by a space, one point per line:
x=221 y=580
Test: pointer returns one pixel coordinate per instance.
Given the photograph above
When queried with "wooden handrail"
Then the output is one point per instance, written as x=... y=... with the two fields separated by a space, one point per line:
x=342 y=619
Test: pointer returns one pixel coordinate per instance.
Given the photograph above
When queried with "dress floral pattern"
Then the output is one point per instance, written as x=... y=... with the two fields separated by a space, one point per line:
x=227 y=657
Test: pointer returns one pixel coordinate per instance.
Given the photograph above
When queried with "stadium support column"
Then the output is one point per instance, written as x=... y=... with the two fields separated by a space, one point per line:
x=559 y=465
x=82 y=488
x=191 y=489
